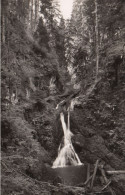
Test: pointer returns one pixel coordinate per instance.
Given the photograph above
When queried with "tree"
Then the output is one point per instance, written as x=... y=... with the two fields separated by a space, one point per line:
x=93 y=35
x=97 y=38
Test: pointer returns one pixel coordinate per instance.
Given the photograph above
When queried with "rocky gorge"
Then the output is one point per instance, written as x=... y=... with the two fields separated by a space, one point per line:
x=35 y=79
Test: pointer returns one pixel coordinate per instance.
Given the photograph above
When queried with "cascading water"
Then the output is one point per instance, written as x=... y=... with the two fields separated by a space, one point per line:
x=66 y=154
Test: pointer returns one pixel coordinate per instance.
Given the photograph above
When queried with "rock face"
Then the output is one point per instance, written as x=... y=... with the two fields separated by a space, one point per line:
x=78 y=141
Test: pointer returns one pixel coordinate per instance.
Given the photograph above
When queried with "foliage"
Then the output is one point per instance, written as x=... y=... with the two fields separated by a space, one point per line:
x=29 y=61
x=29 y=54
x=83 y=45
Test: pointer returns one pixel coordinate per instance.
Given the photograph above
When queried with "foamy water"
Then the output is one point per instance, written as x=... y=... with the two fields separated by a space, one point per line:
x=66 y=155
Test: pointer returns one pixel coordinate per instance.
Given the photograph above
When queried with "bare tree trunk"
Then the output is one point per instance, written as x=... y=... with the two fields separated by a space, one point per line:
x=97 y=38
x=3 y=28
x=23 y=11
x=8 y=64
x=36 y=13
x=27 y=7
x=32 y=86
x=36 y=9
x=31 y=15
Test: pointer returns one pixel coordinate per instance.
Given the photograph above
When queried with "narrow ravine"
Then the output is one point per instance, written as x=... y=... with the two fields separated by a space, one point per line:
x=62 y=97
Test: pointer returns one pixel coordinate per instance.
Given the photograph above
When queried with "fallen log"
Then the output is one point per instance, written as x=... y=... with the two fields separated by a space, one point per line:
x=115 y=172
x=106 y=181
x=90 y=90
x=74 y=94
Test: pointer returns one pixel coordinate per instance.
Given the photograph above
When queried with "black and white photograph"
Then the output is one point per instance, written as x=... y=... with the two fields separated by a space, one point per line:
x=62 y=97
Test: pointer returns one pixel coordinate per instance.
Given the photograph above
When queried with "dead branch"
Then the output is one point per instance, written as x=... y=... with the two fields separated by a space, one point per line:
x=86 y=182
x=88 y=173
x=94 y=174
x=106 y=186
x=115 y=172
x=106 y=180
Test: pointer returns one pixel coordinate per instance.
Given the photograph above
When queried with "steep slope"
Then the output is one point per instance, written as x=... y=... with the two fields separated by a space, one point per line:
x=31 y=78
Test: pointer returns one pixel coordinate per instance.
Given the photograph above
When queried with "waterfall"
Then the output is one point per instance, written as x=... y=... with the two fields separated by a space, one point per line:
x=66 y=154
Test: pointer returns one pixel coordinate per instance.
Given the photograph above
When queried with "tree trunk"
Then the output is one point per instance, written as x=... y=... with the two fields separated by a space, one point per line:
x=3 y=28
x=97 y=38
x=36 y=13
x=32 y=86
x=36 y=9
x=31 y=15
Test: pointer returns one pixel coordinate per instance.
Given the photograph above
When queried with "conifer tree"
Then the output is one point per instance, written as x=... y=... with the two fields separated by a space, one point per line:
x=99 y=24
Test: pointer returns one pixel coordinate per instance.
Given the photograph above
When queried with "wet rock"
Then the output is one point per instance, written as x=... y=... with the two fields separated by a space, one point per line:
x=78 y=142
